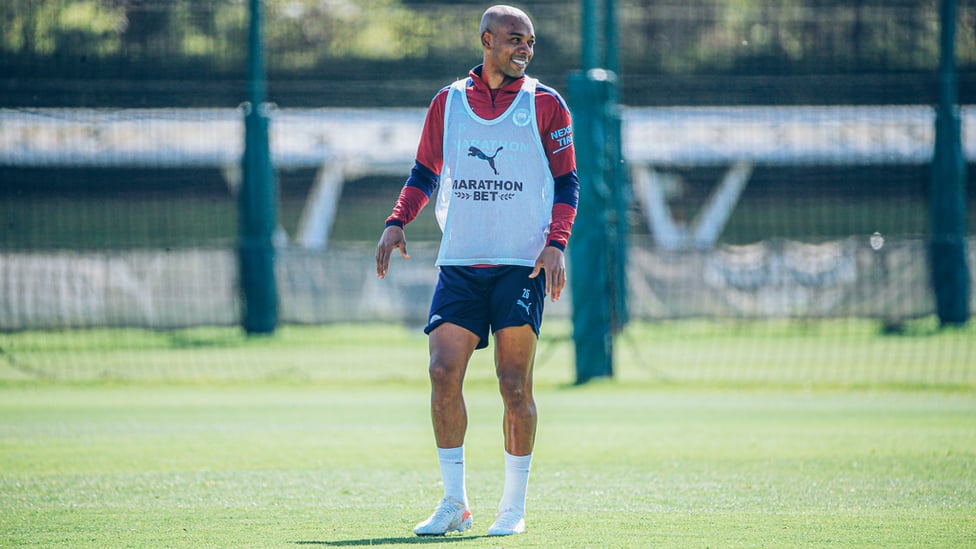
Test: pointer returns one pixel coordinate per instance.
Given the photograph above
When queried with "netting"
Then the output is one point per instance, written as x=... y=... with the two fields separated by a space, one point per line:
x=770 y=280
x=778 y=156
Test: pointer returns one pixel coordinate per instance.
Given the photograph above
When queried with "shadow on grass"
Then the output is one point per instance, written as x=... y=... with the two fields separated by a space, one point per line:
x=406 y=540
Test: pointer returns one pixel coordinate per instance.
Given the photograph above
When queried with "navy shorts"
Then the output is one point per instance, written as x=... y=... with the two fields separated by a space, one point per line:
x=487 y=298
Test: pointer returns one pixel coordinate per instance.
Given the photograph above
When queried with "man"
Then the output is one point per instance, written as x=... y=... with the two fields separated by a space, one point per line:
x=498 y=144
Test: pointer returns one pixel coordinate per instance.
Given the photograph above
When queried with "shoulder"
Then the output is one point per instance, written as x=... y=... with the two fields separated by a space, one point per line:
x=552 y=111
x=438 y=104
x=441 y=96
x=546 y=95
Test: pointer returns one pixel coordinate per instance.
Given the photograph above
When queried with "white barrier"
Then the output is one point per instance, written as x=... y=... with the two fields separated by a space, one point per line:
x=344 y=143
x=182 y=288
x=386 y=139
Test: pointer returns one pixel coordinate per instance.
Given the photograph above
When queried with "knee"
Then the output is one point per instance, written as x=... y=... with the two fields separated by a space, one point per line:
x=514 y=389
x=444 y=377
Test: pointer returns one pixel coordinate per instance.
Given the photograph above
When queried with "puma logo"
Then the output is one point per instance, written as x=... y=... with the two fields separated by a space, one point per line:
x=476 y=152
x=523 y=305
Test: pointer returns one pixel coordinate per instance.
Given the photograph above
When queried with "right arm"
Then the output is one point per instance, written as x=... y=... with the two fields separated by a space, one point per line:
x=419 y=187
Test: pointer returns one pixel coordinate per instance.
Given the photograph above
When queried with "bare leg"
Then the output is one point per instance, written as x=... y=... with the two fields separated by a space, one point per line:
x=514 y=358
x=451 y=347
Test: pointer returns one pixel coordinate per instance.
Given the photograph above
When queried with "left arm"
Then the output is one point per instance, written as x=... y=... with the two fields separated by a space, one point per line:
x=556 y=131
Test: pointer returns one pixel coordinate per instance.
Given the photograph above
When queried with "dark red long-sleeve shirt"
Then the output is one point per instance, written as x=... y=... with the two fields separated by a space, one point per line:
x=555 y=128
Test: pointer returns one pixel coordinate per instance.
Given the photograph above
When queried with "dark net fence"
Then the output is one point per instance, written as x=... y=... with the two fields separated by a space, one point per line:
x=778 y=155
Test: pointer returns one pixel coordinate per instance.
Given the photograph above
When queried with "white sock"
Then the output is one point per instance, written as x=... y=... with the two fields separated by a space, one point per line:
x=516 y=482
x=452 y=472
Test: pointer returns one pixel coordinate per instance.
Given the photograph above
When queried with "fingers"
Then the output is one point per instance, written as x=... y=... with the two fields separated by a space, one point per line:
x=555 y=282
x=551 y=261
x=392 y=238
x=382 y=260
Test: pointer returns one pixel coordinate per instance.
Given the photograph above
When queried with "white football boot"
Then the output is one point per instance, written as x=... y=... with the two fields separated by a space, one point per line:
x=509 y=522
x=450 y=516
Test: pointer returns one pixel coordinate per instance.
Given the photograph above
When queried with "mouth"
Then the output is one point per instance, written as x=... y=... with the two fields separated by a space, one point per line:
x=520 y=62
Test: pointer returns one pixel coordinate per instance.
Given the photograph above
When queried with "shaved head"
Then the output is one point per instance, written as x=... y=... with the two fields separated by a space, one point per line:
x=508 y=39
x=494 y=16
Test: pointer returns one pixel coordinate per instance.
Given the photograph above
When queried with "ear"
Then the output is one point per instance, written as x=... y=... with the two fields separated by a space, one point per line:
x=486 y=39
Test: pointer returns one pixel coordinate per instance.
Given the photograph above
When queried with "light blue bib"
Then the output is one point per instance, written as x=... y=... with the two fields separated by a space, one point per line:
x=495 y=199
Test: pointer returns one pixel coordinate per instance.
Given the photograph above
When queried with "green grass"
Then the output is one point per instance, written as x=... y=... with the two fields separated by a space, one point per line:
x=801 y=354
x=321 y=437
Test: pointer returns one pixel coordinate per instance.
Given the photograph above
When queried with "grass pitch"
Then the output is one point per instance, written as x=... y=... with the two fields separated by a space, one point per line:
x=321 y=437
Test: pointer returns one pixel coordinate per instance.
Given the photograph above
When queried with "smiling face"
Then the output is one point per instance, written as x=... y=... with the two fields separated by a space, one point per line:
x=508 y=40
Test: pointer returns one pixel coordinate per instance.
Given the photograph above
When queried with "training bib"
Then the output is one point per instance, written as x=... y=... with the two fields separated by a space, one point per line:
x=495 y=199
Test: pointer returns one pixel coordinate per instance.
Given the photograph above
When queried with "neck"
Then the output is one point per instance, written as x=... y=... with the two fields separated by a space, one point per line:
x=495 y=79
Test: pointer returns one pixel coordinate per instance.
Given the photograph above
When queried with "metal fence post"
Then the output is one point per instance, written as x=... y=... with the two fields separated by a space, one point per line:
x=257 y=198
x=947 y=194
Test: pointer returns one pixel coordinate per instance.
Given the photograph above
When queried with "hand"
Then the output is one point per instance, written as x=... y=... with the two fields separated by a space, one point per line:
x=392 y=237
x=553 y=262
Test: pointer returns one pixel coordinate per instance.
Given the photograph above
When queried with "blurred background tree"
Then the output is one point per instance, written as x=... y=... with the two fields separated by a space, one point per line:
x=397 y=52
